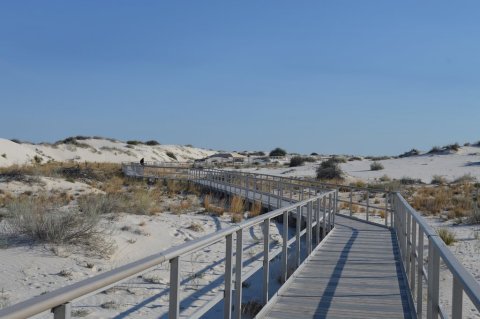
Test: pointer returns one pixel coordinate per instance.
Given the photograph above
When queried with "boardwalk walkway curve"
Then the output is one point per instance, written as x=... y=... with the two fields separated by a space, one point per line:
x=384 y=267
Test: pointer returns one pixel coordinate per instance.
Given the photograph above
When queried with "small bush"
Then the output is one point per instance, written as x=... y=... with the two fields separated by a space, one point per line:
x=438 y=180
x=196 y=227
x=409 y=181
x=152 y=143
x=37 y=159
x=385 y=178
x=297 y=161
x=329 y=169
x=452 y=147
x=467 y=178
x=412 y=152
x=314 y=154
x=435 y=150
x=256 y=209
x=278 y=152
x=237 y=217
x=4 y=155
x=171 y=155
x=376 y=166
x=134 y=142
x=474 y=217
x=447 y=236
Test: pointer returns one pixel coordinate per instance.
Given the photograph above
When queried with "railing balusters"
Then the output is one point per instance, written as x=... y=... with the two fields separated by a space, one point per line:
x=413 y=253
x=309 y=228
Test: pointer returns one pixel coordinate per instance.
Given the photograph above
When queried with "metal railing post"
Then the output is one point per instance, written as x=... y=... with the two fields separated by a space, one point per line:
x=386 y=209
x=368 y=204
x=324 y=222
x=174 y=302
x=63 y=311
x=420 y=275
x=309 y=228
x=297 y=235
x=413 y=250
x=266 y=258
x=237 y=312
x=457 y=298
x=408 y=243
x=351 y=201
x=227 y=307
x=285 y=247
x=317 y=219
x=433 y=280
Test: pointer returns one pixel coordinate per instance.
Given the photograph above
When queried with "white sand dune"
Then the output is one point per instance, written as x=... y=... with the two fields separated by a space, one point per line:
x=95 y=150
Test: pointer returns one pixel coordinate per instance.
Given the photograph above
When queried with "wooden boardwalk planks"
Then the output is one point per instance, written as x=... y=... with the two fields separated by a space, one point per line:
x=355 y=273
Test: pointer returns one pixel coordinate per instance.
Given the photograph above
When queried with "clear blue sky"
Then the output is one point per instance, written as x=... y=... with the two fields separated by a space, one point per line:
x=359 y=77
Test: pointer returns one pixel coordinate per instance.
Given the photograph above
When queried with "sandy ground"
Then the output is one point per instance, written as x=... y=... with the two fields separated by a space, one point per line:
x=423 y=167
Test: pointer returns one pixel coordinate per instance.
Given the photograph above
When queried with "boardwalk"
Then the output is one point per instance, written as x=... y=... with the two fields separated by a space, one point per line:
x=355 y=273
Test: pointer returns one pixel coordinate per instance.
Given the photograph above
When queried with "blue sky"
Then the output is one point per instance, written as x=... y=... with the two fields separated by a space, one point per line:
x=359 y=77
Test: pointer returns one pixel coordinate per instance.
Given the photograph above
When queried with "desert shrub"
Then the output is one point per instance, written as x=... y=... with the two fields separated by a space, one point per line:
x=409 y=181
x=376 y=166
x=467 y=144
x=354 y=158
x=196 y=227
x=45 y=223
x=452 y=147
x=278 y=152
x=98 y=204
x=152 y=143
x=435 y=150
x=37 y=159
x=171 y=155
x=134 y=142
x=438 y=180
x=412 y=152
x=474 y=217
x=329 y=169
x=297 y=161
x=314 y=154
x=467 y=178
x=447 y=236
x=14 y=140
x=384 y=178
x=378 y=158
x=4 y=155
x=237 y=217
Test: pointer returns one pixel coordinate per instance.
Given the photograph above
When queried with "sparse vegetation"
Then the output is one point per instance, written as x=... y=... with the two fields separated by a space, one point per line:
x=412 y=152
x=4 y=155
x=447 y=236
x=80 y=312
x=256 y=209
x=237 y=205
x=196 y=227
x=134 y=142
x=376 y=166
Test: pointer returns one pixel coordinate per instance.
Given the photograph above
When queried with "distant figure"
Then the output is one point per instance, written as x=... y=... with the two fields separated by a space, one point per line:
x=142 y=161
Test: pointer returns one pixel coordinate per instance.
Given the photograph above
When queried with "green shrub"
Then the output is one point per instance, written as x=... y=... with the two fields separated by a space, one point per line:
x=278 y=152
x=152 y=143
x=134 y=142
x=297 y=161
x=329 y=169
x=171 y=155
x=376 y=166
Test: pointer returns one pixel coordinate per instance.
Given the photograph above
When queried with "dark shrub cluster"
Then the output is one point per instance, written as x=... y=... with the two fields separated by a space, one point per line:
x=171 y=155
x=376 y=166
x=278 y=152
x=152 y=143
x=329 y=169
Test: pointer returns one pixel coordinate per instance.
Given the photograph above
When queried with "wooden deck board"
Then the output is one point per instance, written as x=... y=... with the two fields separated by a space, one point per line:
x=355 y=273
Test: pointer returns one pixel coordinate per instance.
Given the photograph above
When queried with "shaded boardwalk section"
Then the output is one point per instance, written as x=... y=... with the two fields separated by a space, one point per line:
x=355 y=273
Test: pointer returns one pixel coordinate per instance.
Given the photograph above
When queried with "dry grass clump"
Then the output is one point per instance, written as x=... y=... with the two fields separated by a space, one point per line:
x=218 y=209
x=454 y=199
x=237 y=204
x=474 y=217
x=447 y=236
x=256 y=209
x=80 y=312
x=47 y=223
x=181 y=207
x=438 y=180
x=196 y=227
x=237 y=217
